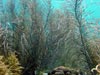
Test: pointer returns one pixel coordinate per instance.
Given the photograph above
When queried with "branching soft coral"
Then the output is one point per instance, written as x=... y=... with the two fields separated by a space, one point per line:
x=3 y=67
x=13 y=64
x=10 y=65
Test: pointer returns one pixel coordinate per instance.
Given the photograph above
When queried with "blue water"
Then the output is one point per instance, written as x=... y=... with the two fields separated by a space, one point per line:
x=91 y=5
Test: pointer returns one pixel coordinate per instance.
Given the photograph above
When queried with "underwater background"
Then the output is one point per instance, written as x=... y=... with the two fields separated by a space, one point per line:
x=39 y=35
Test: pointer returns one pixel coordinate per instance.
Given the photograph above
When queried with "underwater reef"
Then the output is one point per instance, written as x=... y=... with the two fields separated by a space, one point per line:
x=49 y=37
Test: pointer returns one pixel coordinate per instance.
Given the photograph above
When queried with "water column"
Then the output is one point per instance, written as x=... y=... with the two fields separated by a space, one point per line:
x=1 y=10
x=1 y=6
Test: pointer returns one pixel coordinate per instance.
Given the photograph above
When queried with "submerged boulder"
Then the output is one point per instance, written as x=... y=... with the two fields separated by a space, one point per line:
x=61 y=70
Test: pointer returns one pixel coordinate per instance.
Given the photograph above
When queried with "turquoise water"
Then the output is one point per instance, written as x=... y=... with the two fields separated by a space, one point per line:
x=91 y=5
